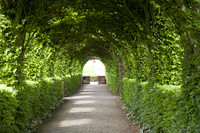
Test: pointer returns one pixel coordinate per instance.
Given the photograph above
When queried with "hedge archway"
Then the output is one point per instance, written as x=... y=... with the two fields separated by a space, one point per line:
x=151 y=46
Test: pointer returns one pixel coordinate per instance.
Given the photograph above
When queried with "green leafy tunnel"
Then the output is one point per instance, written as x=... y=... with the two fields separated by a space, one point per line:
x=151 y=46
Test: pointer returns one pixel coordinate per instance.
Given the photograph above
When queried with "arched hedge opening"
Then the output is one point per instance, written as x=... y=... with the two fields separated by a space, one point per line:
x=151 y=47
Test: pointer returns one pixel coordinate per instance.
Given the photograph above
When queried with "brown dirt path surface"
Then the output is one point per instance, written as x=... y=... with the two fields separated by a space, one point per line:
x=93 y=109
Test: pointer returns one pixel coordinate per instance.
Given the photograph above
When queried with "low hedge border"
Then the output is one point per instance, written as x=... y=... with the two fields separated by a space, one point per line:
x=23 y=110
x=8 y=105
x=72 y=83
x=161 y=108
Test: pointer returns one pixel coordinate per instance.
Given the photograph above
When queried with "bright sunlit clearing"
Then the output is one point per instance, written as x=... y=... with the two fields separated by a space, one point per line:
x=94 y=68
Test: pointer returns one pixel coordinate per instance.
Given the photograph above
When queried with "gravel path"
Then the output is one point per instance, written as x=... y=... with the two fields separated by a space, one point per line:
x=93 y=109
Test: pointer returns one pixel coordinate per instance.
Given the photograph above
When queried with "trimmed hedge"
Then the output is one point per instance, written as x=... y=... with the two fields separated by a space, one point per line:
x=37 y=101
x=161 y=108
x=72 y=83
x=112 y=82
x=24 y=111
x=93 y=78
x=8 y=105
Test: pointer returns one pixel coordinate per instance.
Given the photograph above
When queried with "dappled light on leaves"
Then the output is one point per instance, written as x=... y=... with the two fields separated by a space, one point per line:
x=150 y=49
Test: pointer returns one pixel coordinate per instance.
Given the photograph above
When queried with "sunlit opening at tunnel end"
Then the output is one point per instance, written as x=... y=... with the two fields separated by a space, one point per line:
x=94 y=72
x=94 y=68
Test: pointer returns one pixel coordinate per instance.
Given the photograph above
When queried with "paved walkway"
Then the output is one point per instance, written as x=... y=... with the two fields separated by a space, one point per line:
x=93 y=109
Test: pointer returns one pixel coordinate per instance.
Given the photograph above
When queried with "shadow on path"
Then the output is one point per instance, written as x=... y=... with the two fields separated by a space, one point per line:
x=93 y=109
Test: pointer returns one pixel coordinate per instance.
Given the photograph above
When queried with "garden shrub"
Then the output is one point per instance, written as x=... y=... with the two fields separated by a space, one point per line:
x=24 y=110
x=112 y=81
x=8 y=105
x=72 y=83
x=93 y=78
x=161 y=108
x=37 y=100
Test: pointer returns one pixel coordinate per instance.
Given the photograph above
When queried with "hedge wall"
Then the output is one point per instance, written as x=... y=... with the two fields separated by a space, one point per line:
x=112 y=76
x=72 y=83
x=161 y=108
x=8 y=105
x=24 y=110
x=112 y=82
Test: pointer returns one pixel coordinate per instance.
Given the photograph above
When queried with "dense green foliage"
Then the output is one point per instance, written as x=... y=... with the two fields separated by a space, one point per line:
x=8 y=105
x=161 y=108
x=37 y=100
x=112 y=77
x=23 y=110
x=154 y=42
x=72 y=83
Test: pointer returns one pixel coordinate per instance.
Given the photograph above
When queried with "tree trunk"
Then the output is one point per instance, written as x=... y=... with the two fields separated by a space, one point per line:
x=20 y=34
x=20 y=61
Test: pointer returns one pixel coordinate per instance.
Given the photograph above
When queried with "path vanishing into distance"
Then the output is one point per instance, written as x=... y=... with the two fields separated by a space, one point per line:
x=93 y=109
